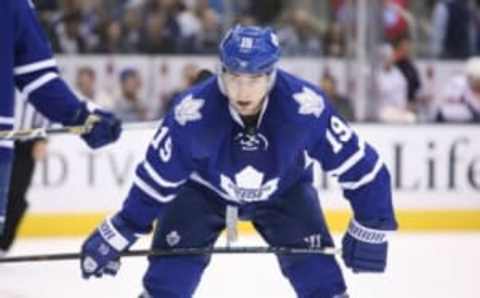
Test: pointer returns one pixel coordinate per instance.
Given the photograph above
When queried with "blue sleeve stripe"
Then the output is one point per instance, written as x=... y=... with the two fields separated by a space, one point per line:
x=7 y=120
x=36 y=84
x=33 y=67
x=6 y=144
x=151 y=192
x=367 y=178
x=158 y=179
x=351 y=161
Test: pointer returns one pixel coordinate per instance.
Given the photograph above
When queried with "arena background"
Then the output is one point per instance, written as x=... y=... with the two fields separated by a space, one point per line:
x=342 y=45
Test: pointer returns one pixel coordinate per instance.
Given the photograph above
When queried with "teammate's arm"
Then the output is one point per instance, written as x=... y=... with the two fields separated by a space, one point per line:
x=37 y=76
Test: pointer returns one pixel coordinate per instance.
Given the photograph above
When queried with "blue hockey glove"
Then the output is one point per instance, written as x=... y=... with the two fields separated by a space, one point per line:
x=364 y=249
x=106 y=128
x=101 y=251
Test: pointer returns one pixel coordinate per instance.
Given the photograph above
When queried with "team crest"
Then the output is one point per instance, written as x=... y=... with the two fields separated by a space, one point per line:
x=251 y=142
x=248 y=186
x=310 y=102
x=188 y=110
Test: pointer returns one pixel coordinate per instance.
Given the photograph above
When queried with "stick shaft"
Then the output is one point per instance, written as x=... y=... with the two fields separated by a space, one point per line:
x=76 y=130
x=178 y=252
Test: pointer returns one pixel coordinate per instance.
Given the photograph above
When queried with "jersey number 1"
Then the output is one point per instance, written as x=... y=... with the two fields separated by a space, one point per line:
x=338 y=133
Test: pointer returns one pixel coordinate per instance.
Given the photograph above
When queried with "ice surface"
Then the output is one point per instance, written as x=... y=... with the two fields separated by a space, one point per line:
x=421 y=265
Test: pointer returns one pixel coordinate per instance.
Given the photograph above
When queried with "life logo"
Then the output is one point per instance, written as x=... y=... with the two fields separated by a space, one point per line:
x=248 y=186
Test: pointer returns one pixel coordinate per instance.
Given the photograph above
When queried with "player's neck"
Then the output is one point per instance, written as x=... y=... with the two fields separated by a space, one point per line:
x=250 y=122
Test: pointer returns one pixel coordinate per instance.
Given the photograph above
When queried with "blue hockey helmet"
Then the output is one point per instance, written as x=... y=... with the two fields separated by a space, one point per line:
x=250 y=49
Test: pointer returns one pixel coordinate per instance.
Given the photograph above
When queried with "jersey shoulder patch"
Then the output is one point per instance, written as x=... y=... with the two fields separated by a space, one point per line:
x=310 y=102
x=188 y=109
x=303 y=99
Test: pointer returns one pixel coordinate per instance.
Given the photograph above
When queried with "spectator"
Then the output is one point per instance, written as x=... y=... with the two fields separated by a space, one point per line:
x=86 y=89
x=189 y=75
x=190 y=26
x=130 y=107
x=211 y=33
x=112 y=37
x=460 y=101
x=334 y=41
x=404 y=62
x=392 y=90
x=425 y=105
x=300 y=36
x=266 y=11
x=341 y=103
x=452 y=22
x=69 y=39
x=395 y=18
x=156 y=38
x=132 y=27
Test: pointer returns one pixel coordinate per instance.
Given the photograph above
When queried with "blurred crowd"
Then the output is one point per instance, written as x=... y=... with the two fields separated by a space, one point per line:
x=442 y=29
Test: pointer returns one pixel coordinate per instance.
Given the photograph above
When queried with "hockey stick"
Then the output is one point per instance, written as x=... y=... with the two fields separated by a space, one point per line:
x=76 y=130
x=180 y=252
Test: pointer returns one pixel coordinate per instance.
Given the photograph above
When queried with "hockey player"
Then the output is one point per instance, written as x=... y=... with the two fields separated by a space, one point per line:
x=26 y=62
x=247 y=137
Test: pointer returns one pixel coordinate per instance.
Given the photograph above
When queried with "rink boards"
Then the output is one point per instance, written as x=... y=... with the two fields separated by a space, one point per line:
x=435 y=176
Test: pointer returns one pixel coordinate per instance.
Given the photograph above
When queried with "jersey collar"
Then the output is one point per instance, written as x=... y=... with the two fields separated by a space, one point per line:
x=238 y=119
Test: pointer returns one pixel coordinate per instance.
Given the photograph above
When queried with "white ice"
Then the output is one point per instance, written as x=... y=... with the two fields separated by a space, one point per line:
x=420 y=265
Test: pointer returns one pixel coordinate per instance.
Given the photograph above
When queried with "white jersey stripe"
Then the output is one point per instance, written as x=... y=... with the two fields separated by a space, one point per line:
x=351 y=161
x=365 y=179
x=7 y=120
x=33 y=67
x=152 y=192
x=39 y=83
x=158 y=179
x=110 y=234
x=6 y=144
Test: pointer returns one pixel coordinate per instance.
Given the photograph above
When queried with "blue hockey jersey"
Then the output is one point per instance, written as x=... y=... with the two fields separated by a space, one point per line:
x=203 y=140
x=34 y=67
x=6 y=73
x=26 y=63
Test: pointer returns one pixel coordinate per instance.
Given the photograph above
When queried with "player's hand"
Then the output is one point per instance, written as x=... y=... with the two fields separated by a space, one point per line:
x=364 y=249
x=105 y=127
x=101 y=251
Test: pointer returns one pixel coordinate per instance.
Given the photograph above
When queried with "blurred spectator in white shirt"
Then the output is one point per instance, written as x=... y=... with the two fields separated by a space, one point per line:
x=460 y=101
x=206 y=41
x=392 y=90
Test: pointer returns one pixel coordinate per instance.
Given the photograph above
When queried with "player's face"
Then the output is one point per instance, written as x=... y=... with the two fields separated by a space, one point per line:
x=246 y=92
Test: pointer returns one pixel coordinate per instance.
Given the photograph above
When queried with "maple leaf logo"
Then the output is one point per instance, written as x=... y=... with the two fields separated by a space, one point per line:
x=249 y=186
x=188 y=110
x=310 y=102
